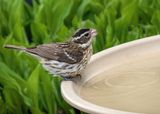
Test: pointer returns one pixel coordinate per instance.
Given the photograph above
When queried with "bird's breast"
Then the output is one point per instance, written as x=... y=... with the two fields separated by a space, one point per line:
x=66 y=69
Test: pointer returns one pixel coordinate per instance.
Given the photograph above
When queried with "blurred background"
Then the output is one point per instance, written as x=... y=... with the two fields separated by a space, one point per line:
x=25 y=87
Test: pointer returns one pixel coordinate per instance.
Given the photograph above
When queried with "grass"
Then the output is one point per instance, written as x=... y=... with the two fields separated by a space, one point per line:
x=25 y=87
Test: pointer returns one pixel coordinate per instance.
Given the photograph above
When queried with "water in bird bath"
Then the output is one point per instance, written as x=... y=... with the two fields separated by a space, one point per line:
x=132 y=86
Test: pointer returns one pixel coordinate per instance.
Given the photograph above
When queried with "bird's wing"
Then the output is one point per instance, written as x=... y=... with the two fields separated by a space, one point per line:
x=60 y=52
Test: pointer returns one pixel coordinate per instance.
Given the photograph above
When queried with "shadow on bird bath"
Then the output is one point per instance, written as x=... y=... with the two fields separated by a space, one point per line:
x=121 y=80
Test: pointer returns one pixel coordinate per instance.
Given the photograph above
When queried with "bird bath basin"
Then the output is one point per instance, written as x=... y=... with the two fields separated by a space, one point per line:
x=124 y=79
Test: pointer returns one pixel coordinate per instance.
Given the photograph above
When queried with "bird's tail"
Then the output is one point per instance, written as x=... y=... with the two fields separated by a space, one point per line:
x=15 y=47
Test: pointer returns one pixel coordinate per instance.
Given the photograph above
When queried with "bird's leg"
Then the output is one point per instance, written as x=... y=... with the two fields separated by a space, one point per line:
x=79 y=76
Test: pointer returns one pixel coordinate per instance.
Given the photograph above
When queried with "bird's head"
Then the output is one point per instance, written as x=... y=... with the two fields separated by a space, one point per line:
x=83 y=37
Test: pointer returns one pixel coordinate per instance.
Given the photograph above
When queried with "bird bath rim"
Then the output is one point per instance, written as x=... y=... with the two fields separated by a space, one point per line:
x=70 y=90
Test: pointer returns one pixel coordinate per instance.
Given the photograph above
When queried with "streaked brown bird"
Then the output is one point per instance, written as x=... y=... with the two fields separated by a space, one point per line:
x=64 y=59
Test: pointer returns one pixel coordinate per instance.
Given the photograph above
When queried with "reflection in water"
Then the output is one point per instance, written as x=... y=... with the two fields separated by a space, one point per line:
x=133 y=86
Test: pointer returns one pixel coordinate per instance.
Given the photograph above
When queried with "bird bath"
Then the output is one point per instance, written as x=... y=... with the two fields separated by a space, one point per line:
x=124 y=79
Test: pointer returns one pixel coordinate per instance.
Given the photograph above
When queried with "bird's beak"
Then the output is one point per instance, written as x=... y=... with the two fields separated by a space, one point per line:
x=93 y=32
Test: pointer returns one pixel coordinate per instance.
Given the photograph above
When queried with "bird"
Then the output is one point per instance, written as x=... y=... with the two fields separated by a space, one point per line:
x=66 y=59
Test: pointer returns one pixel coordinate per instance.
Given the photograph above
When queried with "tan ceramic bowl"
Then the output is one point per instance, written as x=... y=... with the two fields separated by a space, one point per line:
x=100 y=62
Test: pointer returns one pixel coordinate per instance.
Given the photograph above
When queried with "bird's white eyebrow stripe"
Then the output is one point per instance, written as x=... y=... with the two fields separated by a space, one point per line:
x=71 y=58
x=76 y=38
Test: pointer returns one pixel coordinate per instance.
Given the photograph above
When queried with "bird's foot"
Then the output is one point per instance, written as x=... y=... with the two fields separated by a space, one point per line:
x=78 y=76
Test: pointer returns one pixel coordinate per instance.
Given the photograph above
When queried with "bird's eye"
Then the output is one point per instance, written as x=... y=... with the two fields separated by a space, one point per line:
x=87 y=34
